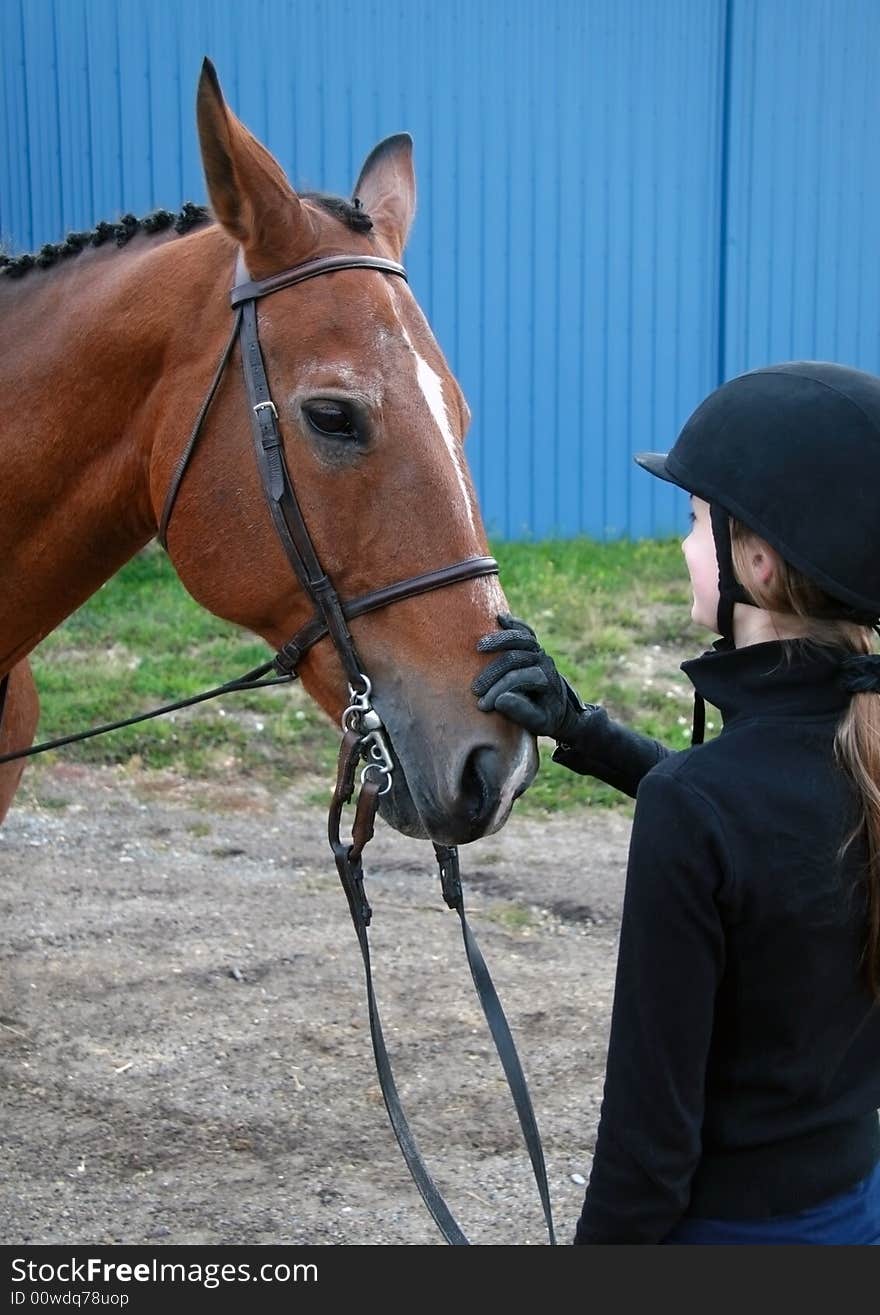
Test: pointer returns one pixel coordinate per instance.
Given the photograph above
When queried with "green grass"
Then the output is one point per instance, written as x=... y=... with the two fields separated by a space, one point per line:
x=614 y=615
x=141 y=641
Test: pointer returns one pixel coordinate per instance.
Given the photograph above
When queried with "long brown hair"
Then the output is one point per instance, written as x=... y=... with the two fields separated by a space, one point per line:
x=857 y=740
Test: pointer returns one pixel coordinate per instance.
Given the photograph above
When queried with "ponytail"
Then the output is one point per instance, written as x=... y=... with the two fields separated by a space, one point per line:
x=857 y=747
x=857 y=740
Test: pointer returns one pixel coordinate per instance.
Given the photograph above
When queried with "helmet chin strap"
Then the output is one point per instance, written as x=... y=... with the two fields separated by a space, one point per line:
x=730 y=592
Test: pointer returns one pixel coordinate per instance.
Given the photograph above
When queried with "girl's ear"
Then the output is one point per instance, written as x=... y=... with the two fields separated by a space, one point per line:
x=763 y=561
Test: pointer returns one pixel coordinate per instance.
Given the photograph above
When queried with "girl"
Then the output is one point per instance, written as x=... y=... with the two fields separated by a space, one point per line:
x=743 y=1074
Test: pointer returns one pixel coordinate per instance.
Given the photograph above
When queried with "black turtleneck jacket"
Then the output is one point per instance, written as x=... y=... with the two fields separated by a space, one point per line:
x=743 y=1072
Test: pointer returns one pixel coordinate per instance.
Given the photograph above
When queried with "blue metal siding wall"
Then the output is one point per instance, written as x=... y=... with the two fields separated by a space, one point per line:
x=649 y=138
x=619 y=202
x=803 y=233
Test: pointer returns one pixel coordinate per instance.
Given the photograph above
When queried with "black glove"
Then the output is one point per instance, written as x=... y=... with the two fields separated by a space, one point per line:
x=525 y=686
x=523 y=683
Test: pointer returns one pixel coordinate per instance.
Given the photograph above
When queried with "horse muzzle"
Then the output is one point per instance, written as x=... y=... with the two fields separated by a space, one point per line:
x=453 y=798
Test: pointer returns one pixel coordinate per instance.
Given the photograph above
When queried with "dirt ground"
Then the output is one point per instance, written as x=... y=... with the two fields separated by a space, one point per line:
x=184 y=1049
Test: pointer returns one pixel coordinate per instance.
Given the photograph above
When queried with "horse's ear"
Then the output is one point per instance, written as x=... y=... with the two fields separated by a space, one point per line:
x=249 y=193
x=386 y=189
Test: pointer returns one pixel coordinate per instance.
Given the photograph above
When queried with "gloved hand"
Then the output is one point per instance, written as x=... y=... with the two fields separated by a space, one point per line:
x=523 y=683
x=525 y=686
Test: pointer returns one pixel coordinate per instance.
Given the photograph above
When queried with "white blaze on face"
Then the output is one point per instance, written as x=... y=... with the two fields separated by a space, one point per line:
x=432 y=389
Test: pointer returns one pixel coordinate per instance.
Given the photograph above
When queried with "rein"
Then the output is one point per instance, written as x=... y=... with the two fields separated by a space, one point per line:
x=364 y=735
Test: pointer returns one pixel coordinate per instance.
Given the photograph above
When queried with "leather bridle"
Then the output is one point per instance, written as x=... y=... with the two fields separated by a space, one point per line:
x=331 y=615
x=364 y=734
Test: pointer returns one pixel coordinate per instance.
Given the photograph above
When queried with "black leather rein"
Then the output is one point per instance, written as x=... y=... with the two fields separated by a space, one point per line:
x=363 y=731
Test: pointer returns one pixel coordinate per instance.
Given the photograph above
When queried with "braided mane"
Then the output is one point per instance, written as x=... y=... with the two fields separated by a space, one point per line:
x=190 y=216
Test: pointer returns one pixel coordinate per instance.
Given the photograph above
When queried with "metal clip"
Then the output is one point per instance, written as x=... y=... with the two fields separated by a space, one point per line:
x=362 y=717
x=379 y=756
x=352 y=718
x=263 y=406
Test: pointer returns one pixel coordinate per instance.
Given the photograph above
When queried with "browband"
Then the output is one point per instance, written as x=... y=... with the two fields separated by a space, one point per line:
x=255 y=288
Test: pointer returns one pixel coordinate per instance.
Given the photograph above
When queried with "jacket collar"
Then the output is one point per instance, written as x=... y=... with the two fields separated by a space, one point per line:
x=769 y=680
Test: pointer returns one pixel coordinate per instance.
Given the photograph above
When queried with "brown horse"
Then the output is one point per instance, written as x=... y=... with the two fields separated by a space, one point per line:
x=104 y=362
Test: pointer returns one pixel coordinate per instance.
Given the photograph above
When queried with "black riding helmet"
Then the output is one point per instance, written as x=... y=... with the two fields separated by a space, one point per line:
x=793 y=452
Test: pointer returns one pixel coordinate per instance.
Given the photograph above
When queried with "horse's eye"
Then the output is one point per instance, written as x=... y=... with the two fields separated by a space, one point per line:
x=331 y=419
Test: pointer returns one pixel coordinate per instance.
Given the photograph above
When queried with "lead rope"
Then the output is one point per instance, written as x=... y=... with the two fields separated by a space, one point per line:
x=450 y=879
x=351 y=874
x=251 y=680
x=361 y=726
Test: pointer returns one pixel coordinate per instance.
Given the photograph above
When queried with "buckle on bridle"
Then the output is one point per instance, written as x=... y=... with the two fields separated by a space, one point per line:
x=265 y=406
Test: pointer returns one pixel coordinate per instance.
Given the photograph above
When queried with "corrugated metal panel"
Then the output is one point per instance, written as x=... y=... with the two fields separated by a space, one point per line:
x=652 y=130
x=803 y=239
x=583 y=166
x=16 y=209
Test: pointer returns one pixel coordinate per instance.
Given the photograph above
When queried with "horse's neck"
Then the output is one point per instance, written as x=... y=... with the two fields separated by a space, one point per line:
x=97 y=358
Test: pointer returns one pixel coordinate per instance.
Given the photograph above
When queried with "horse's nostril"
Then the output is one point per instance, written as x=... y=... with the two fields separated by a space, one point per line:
x=480 y=788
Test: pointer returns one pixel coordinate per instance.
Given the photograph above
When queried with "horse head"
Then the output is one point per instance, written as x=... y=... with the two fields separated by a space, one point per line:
x=372 y=423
